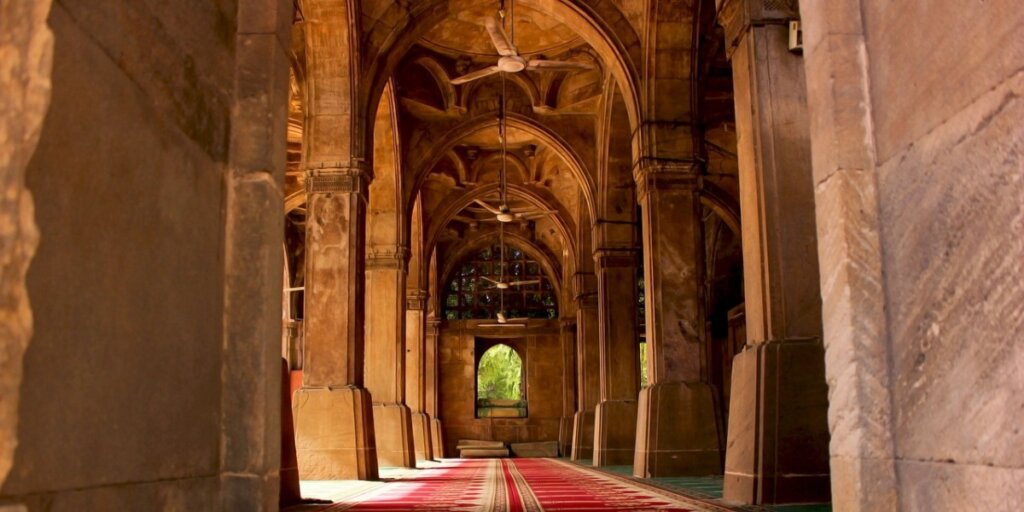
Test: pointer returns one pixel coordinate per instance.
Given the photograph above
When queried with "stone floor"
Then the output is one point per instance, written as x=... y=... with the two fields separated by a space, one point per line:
x=710 y=488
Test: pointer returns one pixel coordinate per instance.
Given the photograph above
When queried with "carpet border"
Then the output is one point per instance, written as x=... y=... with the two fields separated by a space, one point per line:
x=648 y=486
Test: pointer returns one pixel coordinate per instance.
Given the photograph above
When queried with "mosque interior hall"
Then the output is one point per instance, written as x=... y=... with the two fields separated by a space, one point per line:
x=512 y=255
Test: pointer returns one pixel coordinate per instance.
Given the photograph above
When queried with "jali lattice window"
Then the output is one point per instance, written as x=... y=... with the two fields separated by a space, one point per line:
x=469 y=296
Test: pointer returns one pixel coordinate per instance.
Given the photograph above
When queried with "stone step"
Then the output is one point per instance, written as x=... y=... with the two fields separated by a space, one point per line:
x=483 y=453
x=536 y=450
x=476 y=443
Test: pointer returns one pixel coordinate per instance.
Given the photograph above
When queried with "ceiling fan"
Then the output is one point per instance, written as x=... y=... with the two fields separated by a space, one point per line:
x=505 y=214
x=502 y=285
x=509 y=60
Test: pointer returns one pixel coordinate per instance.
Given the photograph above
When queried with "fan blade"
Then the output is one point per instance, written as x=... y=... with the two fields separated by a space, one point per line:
x=522 y=283
x=469 y=77
x=491 y=280
x=523 y=319
x=500 y=39
x=535 y=215
x=487 y=206
x=557 y=65
x=501 y=325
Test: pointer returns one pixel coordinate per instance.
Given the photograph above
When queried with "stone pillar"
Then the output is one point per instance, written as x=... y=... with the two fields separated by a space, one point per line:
x=778 y=430
x=431 y=387
x=385 y=355
x=588 y=366
x=415 y=372
x=568 y=342
x=615 y=415
x=333 y=412
x=678 y=428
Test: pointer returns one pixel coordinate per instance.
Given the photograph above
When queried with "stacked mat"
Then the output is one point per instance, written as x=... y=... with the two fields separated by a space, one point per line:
x=476 y=449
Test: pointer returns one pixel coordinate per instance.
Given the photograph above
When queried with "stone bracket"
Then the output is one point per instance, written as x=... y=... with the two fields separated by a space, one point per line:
x=738 y=17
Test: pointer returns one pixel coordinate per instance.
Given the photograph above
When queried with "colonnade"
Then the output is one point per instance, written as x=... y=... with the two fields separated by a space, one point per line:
x=774 y=447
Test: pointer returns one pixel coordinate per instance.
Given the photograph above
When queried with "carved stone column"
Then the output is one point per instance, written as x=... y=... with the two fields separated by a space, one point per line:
x=678 y=429
x=568 y=342
x=385 y=355
x=588 y=366
x=615 y=415
x=431 y=387
x=333 y=412
x=778 y=430
x=415 y=371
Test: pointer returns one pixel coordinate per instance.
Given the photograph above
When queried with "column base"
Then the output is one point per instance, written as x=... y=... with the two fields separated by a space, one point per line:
x=421 y=436
x=334 y=434
x=582 y=436
x=437 y=438
x=565 y=428
x=393 y=430
x=614 y=432
x=778 y=425
x=678 y=431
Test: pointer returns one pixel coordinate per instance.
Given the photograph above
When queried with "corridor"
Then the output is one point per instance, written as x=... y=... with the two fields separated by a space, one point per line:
x=499 y=485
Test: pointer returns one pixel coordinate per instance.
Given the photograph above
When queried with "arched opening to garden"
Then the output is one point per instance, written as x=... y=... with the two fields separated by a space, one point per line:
x=500 y=383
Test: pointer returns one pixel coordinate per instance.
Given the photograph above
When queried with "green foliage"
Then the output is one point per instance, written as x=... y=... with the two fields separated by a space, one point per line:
x=643 y=365
x=500 y=374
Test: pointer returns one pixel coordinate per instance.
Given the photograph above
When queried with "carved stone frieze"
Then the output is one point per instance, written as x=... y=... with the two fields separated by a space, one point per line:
x=387 y=257
x=665 y=175
x=353 y=178
x=416 y=300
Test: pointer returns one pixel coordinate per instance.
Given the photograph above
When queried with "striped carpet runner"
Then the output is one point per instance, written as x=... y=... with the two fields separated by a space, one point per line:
x=512 y=485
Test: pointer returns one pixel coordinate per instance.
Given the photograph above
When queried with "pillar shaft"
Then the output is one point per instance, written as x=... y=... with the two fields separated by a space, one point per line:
x=568 y=345
x=778 y=433
x=385 y=355
x=588 y=366
x=431 y=387
x=333 y=415
x=415 y=371
x=678 y=428
x=615 y=415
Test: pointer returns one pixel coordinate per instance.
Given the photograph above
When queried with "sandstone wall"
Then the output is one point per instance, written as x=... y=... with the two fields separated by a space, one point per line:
x=135 y=392
x=543 y=367
x=916 y=115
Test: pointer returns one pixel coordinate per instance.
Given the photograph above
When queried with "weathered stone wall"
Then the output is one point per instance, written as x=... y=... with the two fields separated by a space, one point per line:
x=916 y=119
x=147 y=384
x=26 y=46
x=543 y=367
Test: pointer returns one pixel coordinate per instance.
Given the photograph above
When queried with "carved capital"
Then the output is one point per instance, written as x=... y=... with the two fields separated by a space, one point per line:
x=651 y=175
x=416 y=300
x=337 y=178
x=433 y=327
x=387 y=257
x=737 y=17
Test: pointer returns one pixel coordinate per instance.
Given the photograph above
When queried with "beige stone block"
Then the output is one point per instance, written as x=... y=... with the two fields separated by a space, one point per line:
x=582 y=436
x=535 y=450
x=942 y=486
x=394 y=435
x=437 y=438
x=863 y=485
x=334 y=434
x=915 y=84
x=614 y=432
x=678 y=431
x=421 y=436
x=777 y=449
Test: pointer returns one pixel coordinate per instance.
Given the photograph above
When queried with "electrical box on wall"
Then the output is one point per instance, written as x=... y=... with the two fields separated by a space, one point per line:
x=796 y=37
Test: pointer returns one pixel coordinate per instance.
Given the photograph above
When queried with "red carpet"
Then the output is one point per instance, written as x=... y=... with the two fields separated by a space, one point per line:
x=508 y=485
